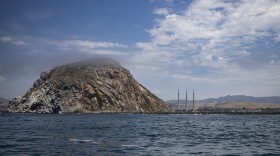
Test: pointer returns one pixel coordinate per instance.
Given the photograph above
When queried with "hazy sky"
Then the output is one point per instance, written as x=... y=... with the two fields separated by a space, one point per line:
x=215 y=47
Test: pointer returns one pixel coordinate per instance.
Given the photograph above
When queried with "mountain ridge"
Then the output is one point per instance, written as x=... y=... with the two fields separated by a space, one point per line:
x=233 y=98
x=3 y=104
x=2 y=100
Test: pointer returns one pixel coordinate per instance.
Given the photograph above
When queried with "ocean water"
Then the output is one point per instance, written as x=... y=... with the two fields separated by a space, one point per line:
x=131 y=134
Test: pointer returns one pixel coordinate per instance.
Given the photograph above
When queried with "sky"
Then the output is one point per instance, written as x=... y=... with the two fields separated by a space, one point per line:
x=216 y=47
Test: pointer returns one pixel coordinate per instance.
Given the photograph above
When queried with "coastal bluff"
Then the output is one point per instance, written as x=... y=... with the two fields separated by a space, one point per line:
x=89 y=86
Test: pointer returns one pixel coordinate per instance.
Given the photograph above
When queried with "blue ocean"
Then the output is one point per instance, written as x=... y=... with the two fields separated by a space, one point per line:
x=139 y=134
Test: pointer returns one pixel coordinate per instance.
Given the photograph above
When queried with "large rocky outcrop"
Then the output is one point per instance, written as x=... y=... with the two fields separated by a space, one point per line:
x=88 y=86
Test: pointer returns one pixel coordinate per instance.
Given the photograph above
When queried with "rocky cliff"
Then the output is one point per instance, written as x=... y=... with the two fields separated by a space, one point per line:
x=92 y=86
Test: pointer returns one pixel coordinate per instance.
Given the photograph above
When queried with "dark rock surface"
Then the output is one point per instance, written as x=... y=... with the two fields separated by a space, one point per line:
x=92 y=86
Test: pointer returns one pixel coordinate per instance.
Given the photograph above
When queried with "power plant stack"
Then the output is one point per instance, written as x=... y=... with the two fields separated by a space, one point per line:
x=186 y=100
x=180 y=107
x=193 y=100
x=178 y=99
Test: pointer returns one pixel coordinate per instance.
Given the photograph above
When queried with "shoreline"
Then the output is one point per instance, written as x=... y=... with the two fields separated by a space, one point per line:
x=159 y=113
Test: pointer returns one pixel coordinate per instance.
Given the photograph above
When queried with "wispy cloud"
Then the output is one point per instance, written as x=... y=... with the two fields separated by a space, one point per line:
x=91 y=44
x=93 y=47
x=12 y=40
x=192 y=79
x=162 y=11
x=166 y=1
x=39 y=45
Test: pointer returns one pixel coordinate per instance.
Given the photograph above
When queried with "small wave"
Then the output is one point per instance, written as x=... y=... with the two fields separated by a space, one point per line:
x=196 y=114
x=131 y=146
x=83 y=140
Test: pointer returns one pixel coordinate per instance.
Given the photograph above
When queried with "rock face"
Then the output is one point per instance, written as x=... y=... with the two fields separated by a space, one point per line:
x=88 y=86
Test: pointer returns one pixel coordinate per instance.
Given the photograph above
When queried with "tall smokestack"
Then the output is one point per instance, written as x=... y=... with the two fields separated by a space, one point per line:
x=193 y=100
x=186 y=100
x=178 y=99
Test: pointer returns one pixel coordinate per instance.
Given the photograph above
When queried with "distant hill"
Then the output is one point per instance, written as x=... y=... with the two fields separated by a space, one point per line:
x=244 y=104
x=233 y=98
x=3 y=104
x=237 y=98
x=2 y=100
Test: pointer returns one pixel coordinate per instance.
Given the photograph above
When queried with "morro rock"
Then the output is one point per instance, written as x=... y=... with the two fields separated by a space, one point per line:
x=91 y=86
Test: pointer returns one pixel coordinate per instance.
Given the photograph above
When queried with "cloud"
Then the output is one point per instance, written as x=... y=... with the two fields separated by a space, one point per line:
x=93 y=47
x=242 y=53
x=12 y=40
x=107 y=52
x=92 y=44
x=45 y=45
x=161 y=11
x=193 y=79
x=166 y=1
x=6 y=39
x=218 y=41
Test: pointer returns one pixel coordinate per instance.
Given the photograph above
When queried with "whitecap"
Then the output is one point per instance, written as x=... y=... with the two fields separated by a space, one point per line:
x=73 y=139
